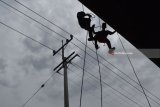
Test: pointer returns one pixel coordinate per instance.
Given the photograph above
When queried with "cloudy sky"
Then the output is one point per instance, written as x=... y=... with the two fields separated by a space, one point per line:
x=25 y=65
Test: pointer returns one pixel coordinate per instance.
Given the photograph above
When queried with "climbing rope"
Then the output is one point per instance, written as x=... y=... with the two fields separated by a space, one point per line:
x=100 y=70
x=84 y=63
x=134 y=71
x=100 y=80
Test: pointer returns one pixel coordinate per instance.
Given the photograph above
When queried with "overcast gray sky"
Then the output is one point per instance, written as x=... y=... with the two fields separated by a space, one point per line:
x=25 y=65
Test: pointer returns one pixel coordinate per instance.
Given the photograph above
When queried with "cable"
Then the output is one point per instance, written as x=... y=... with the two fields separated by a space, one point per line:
x=26 y=20
x=26 y=36
x=134 y=71
x=100 y=80
x=42 y=16
x=83 y=72
x=32 y=19
x=39 y=89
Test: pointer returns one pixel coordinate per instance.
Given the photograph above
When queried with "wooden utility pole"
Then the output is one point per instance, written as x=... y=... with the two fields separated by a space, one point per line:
x=63 y=64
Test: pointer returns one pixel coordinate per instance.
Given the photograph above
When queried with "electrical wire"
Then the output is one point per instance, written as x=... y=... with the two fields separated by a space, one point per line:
x=26 y=36
x=38 y=89
x=134 y=71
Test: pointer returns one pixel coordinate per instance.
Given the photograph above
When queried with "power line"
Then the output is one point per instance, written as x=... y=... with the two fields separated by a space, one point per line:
x=27 y=20
x=26 y=36
x=42 y=16
x=32 y=19
x=134 y=71
x=39 y=89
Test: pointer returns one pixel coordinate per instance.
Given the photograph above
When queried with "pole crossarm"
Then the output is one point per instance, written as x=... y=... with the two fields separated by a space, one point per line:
x=64 y=60
x=67 y=41
x=69 y=61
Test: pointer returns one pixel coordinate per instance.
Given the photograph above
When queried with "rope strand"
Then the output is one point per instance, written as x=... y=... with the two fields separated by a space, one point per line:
x=100 y=80
x=83 y=73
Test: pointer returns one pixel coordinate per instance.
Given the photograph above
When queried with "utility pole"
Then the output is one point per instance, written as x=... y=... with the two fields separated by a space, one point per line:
x=66 y=97
x=63 y=64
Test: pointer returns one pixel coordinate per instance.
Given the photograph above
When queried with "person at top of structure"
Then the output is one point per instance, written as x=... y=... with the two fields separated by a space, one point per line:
x=101 y=36
x=84 y=21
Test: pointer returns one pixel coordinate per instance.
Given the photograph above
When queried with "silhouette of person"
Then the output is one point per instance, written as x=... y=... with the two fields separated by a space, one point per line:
x=101 y=36
x=84 y=21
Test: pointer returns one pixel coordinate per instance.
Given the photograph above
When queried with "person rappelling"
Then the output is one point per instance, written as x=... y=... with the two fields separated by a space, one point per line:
x=84 y=20
x=101 y=36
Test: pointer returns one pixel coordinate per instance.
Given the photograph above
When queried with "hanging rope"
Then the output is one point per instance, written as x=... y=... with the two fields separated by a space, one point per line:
x=84 y=63
x=100 y=70
x=134 y=71
x=100 y=80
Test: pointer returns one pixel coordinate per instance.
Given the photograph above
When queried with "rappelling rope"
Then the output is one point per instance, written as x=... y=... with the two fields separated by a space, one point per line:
x=100 y=70
x=100 y=79
x=84 y=63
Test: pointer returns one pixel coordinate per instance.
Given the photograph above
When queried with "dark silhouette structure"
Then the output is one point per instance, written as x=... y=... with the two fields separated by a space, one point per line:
x=137 y=21
x=84 y=21
x=101 y=36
